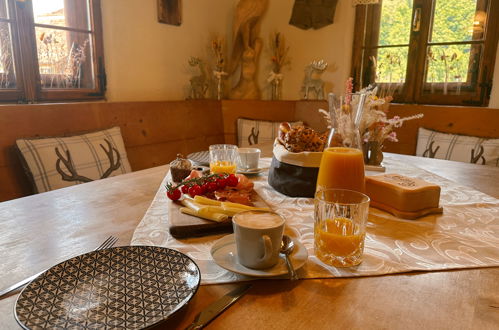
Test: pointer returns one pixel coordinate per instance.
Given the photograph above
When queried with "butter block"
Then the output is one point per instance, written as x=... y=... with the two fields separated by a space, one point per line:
x=402 y=193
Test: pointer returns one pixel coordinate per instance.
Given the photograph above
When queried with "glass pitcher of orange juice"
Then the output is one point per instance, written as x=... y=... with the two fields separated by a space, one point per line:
x=342 y=163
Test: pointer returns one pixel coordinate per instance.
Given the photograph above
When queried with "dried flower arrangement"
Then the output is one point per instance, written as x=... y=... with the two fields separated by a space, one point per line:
x=375 y=124
x=279 y=52
x=367 y=113
x=344 y=117
x=62 y=68
x=279 y=58
x=218 y=48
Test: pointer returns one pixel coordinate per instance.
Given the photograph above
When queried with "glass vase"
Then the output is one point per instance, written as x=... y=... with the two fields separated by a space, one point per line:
x=342 y=162
x=276 y=89
x=373 y=154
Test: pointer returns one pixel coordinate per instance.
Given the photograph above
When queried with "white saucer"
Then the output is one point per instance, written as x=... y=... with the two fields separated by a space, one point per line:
x=225 y=255
x=251 y=171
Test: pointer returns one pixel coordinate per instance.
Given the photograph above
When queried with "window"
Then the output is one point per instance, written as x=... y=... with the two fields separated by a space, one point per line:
x=427 y=51
x=50 y=50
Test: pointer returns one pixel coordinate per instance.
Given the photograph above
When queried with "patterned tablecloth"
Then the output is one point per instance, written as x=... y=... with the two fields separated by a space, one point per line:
x=466 y=235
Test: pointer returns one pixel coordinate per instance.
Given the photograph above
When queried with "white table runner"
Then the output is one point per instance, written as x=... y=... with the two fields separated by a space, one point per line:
x=466 y=235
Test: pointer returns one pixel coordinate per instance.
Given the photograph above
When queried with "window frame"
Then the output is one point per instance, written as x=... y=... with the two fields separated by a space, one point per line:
x=28 y=84
x=366 y=34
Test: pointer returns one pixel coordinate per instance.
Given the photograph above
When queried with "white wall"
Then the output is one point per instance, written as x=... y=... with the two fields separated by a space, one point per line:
x=333 y=43
x=147 y=60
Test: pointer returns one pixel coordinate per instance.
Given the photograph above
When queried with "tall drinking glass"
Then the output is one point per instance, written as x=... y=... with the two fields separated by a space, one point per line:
x=223 y=158
x=340 y=226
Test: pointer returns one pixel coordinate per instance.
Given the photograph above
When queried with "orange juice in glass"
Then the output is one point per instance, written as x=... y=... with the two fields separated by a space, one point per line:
x=341 y=168
x=340 y=226
x=223 y=158
x=221 y=166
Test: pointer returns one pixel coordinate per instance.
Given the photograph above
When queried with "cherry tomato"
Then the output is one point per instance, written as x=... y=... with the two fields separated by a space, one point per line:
x=195 y=190
x=185 y=189
x=204 y=188
x=221 y=183
x=232 y=180
x=212 y=186
x=174 y=194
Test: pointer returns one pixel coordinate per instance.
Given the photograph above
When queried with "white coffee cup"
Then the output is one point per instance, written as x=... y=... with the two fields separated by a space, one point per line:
x=249 y=158
x=258 y=237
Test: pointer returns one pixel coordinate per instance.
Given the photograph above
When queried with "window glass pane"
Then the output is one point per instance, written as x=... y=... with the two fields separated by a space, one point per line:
x=391 y=65
x=451 y=67
x=395 y=26
x=64 y=58
x=462 y=20
x=67 y=13
x=4 y=11
x=7 y=71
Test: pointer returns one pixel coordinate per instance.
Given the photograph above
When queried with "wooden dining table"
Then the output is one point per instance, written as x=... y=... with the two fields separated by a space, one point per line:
x=41 y=230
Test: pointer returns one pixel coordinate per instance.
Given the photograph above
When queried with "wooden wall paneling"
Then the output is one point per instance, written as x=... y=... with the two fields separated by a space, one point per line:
x=152 y=155
x=475 y=121
x=308 y=112
x=254 y=109
x=158 y=122
x=20 y=121
x=154 y=132
x=13 y=182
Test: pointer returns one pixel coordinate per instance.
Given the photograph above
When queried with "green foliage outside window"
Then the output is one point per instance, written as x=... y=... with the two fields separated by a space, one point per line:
x=454 y=21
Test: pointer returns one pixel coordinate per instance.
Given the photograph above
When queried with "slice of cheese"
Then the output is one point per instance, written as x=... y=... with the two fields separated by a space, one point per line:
x=402 y=193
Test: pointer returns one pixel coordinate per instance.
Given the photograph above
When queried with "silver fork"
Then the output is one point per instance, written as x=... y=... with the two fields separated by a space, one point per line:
x=108 y=243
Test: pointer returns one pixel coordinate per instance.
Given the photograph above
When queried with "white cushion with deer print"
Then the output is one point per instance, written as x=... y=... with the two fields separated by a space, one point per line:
x=463 y=148
x=59 y=162
x=251 y=132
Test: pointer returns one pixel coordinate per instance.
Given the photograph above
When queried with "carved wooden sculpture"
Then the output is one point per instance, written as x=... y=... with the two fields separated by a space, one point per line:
x=246 y=47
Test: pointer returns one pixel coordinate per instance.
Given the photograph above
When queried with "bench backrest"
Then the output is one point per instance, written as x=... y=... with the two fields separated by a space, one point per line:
x=154 y=132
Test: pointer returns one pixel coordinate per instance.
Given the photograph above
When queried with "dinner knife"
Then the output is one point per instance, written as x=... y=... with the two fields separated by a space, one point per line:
x=216 y=308
x=14 y=287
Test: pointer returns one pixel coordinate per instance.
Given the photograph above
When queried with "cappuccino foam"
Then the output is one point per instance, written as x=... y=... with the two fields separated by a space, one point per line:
x=258 y=220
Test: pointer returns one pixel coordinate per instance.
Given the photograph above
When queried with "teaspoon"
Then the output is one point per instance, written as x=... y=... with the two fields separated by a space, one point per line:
x=287 y=246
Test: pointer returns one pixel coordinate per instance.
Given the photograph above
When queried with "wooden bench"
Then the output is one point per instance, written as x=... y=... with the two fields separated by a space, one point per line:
x=154 y=132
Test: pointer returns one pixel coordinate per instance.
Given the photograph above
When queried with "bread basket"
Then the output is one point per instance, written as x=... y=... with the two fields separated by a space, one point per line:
x=294 y=174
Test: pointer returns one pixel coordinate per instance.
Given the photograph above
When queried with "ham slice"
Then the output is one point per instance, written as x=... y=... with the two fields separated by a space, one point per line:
x=194 y=175
x=239 y=194
x=244 y=183
x=234 y=196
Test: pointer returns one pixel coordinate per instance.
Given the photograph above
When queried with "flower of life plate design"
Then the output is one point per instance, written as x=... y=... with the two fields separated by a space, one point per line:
x=129 y=287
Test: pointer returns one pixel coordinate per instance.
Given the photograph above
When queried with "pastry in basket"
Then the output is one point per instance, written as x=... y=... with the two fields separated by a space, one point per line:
x=300 y=138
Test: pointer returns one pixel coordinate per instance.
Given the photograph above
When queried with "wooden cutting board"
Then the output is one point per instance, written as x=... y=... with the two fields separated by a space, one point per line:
x=185 y=226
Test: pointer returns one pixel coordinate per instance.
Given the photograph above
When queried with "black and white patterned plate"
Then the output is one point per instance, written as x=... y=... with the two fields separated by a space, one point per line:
x=129 y=287
x=200 y=158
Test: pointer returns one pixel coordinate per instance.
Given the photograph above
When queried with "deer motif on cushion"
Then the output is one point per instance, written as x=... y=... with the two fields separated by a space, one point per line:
x=430 y=153
x=478 y=156
x=112 y=154
x=253 y=137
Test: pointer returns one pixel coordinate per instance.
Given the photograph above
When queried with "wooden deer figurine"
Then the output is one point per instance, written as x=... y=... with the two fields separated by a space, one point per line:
x=199 y=84
x=313 y=81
